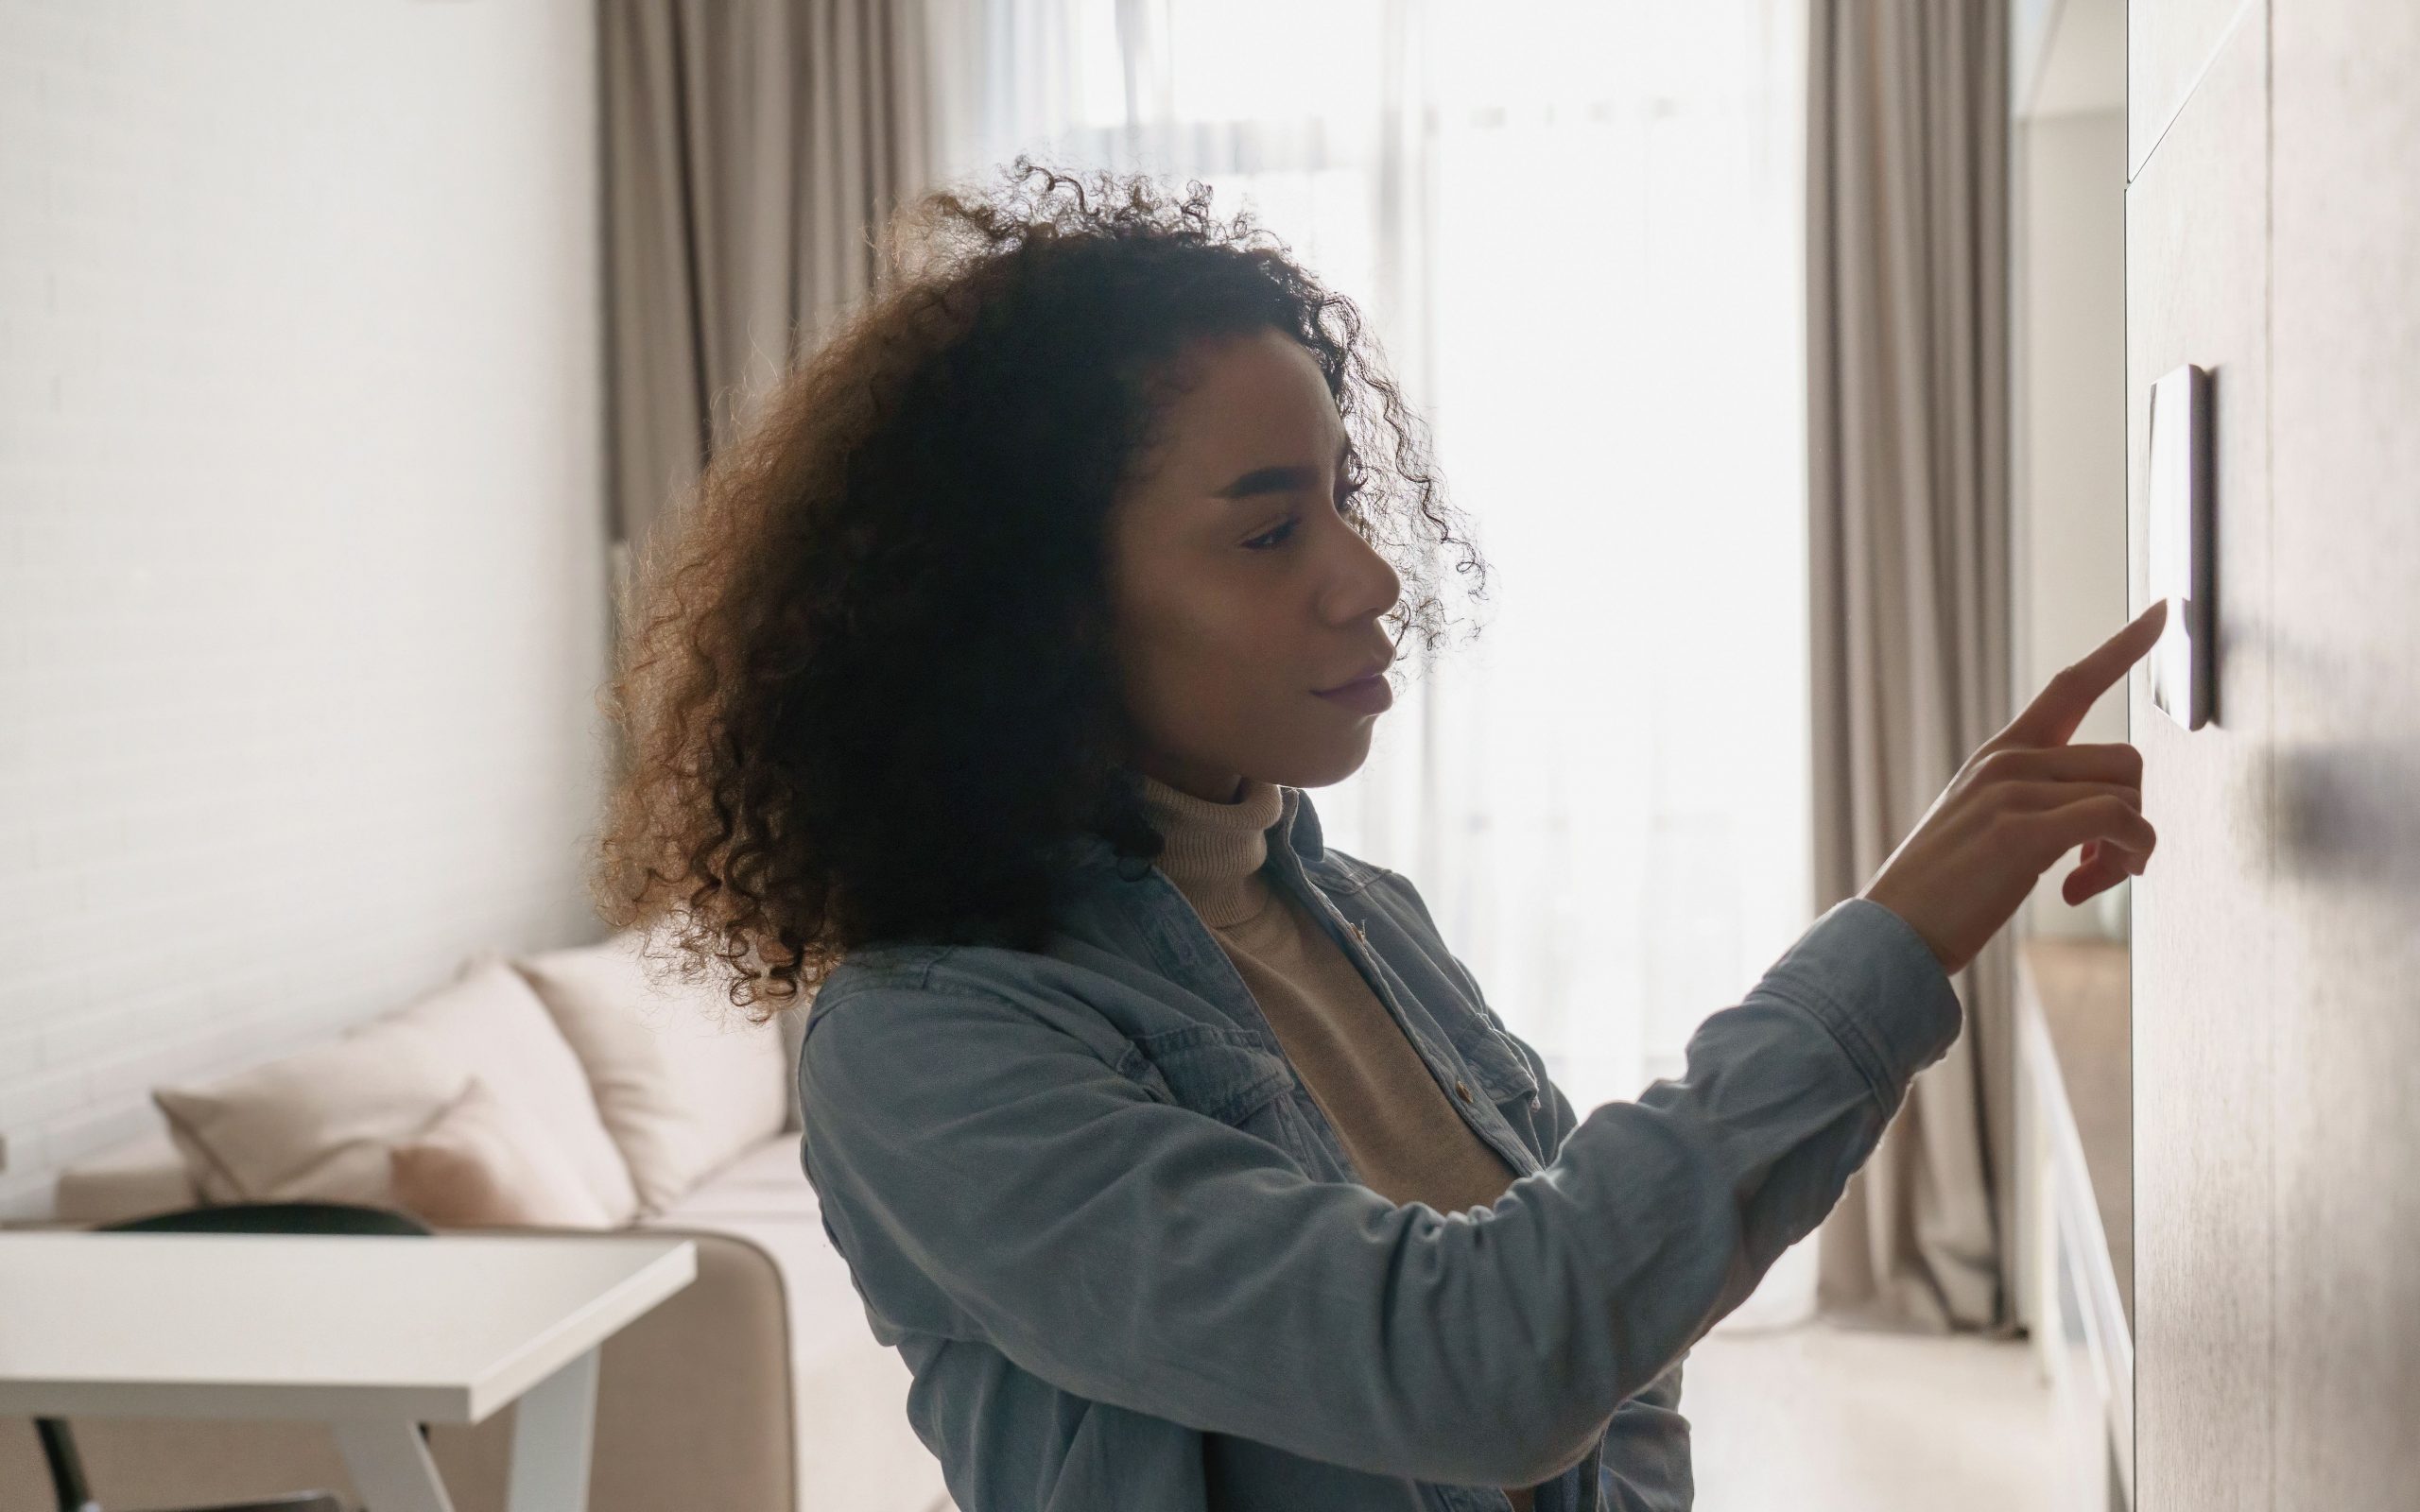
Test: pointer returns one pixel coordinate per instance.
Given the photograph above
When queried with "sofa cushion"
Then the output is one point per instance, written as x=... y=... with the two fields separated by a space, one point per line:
x=766 y=1181
x=489 y=1163
x=144 y=1176
x=317 y=1124
x=685 y=1082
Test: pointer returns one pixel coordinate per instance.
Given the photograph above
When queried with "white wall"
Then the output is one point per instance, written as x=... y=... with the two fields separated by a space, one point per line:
x=2067 y=273
x=301 y=603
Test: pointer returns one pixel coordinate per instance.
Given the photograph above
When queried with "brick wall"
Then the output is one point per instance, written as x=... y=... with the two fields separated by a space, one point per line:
x=301 y=569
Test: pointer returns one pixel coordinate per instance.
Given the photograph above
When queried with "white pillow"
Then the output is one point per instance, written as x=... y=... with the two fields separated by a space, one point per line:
x=489 y=1164
x=684 y=1083
x=317 y=1124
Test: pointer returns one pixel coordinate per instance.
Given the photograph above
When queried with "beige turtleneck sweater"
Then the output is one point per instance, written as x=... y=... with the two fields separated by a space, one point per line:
x=1404 y=1137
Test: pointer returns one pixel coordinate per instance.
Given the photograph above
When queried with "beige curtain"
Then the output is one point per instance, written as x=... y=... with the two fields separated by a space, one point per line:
x=750 y=146
x=1906 y=444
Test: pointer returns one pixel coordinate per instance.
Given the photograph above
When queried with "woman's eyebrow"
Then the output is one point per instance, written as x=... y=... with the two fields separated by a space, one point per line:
x=1278 y=479
x=1268 y=480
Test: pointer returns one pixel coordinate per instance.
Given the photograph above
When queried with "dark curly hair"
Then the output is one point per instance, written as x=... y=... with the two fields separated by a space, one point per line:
x=866 y=685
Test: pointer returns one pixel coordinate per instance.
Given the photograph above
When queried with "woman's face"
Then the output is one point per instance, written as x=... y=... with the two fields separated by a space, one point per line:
x=1239 y=588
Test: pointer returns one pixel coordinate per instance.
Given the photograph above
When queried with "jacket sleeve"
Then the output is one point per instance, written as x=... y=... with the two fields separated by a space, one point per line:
x=988 y=1174
x=1646 y=1466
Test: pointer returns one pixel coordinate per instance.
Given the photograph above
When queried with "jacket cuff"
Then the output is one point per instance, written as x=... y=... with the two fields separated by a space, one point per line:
x=1874 y=982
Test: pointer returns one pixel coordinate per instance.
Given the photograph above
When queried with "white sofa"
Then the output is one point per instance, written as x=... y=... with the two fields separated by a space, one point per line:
x=758 y=1388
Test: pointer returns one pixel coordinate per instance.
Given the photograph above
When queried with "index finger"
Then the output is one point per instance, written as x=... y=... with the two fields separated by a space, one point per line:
x=2060 y=707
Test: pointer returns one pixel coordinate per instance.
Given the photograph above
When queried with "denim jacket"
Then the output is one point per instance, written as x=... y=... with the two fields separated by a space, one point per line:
x=1089 y=1200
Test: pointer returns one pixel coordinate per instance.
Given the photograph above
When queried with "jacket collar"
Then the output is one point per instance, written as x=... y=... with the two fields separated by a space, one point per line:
x=1298 y=827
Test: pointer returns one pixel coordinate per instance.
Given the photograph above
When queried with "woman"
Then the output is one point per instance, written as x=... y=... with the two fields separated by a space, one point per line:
x=1184 y=1163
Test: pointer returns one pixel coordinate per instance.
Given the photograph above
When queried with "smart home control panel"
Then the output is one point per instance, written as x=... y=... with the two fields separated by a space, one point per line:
x=2179 y=567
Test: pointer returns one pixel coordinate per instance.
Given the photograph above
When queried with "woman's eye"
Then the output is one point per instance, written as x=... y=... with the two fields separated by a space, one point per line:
x=1274 y=538
x=1347 y=504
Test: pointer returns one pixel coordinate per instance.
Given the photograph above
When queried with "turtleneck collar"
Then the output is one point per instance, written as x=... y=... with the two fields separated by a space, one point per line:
x=1214 y=852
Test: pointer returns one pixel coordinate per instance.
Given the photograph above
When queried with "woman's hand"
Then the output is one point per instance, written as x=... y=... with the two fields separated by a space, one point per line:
x=2024 y=799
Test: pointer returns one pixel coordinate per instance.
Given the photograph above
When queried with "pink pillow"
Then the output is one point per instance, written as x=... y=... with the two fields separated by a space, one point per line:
x=486 y=1162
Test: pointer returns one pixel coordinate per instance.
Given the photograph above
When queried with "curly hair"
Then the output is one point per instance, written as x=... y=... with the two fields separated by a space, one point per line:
x=866 y=685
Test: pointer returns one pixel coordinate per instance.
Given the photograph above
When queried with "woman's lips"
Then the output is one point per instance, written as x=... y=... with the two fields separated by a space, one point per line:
x=1367 y=696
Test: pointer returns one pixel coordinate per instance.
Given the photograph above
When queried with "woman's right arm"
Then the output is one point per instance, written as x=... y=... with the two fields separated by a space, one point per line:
x=988 y=1176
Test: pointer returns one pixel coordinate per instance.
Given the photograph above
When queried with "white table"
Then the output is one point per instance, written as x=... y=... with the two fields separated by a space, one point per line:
x=371 y=1334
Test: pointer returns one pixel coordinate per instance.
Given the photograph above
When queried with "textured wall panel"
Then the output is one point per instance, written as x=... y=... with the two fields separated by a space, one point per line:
x=2196 y=244
x=2344 y=399
x=2169 y=45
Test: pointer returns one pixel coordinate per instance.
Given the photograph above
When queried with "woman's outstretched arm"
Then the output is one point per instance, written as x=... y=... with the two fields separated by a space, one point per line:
x=988 y=1175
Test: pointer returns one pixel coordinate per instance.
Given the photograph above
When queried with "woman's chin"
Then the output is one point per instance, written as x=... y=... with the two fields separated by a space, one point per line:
x=1328 y=766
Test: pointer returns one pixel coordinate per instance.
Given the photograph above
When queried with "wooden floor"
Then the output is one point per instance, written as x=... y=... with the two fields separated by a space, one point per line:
x=1815 y=1418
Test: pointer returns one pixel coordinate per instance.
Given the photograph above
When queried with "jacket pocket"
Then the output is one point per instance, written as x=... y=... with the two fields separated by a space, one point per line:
x=1495 y=1062
x=1226 y=1073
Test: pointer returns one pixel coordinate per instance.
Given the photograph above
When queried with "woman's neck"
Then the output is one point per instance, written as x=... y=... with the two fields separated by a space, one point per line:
x=1214 y=852
x=1193 y=778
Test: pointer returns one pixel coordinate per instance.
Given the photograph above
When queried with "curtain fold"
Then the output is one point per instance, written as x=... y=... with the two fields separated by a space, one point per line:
x=1908 y=562
x=749 y=151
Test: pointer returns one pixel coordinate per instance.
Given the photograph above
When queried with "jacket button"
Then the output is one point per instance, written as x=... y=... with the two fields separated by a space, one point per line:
x=1461 y=1092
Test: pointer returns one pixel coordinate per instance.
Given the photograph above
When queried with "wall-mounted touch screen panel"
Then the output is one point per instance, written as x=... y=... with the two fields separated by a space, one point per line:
x=2180 y=666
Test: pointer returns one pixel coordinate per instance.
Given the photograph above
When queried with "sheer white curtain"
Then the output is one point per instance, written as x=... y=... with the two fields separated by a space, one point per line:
x=1576 y=230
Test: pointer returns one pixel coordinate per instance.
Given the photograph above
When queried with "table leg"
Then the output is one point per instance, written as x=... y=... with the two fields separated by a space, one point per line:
x=553 y=1427
x=390 y=1466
